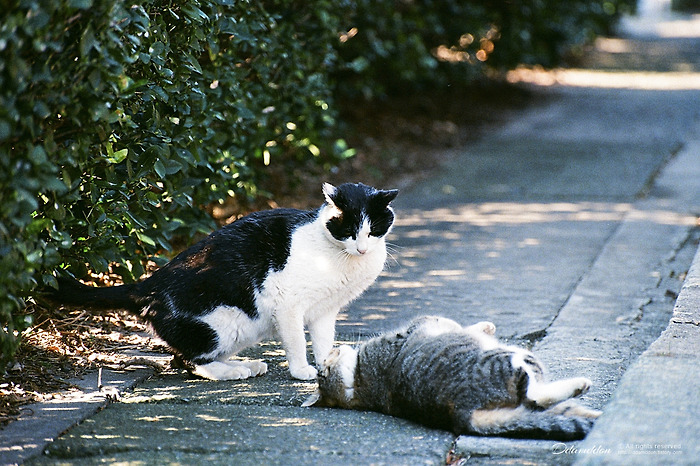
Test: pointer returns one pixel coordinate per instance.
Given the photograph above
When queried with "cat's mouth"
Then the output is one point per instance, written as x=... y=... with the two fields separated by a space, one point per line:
x=355 y=252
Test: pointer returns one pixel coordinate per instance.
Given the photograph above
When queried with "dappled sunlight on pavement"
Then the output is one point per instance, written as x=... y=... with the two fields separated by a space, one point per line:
x=509 y=262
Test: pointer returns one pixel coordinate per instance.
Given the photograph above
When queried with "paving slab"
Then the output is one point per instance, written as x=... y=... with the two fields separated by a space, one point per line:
x=40 y=423
x=221 y=433
x=172 y=417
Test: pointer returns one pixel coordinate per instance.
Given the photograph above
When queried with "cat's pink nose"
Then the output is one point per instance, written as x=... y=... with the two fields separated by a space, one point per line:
x=361 y=250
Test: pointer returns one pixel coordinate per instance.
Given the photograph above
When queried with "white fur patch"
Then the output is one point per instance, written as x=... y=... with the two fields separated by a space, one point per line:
x=235 y=330
x=439 y=325
x=328 y=192
x=482 y=327
x=319 y=278
x=363 y=241
x=347 y=363
x=545 y=394
x=230 y=370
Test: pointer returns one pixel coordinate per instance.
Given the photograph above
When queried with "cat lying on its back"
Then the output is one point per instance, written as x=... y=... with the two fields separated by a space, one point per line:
x=456 y=378
x=267 y=274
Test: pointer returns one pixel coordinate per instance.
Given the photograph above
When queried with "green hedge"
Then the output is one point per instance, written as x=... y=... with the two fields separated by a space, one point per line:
x=121 y=121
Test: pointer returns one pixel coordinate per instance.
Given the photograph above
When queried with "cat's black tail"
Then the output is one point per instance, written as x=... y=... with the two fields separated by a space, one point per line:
x=73 y=294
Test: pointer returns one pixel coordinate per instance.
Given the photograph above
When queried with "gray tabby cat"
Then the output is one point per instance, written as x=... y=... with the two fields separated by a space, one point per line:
x=462 y=379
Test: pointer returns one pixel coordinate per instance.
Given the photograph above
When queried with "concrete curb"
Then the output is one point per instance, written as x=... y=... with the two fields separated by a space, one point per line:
x=653 y=414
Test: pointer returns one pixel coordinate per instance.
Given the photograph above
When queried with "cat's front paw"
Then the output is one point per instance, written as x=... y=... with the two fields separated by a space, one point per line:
x=489 y=328
x=304 y=372
x=484 y=327
x=220 y=370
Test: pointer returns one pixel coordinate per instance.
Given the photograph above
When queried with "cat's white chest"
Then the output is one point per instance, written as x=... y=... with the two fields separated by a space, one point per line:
x=320 y=277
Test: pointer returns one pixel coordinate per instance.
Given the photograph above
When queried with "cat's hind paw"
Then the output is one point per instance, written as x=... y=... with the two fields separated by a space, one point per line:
x=256 y=367
x=219 y=370
x=580 y=385
x=303 y=373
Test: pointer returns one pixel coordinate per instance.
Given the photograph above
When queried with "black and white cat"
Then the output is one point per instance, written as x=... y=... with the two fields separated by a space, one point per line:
x=268 y=274
x=461 y=379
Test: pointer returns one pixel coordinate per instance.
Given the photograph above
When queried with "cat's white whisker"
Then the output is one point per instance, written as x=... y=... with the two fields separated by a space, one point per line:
x=393 y=247
x=390 y=249
x=392 y=259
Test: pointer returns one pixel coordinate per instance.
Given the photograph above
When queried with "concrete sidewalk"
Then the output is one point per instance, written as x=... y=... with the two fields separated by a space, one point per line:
x=571 y=228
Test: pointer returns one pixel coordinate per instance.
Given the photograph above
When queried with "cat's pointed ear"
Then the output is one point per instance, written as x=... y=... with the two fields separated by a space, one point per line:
x=386 y=196
x=329 y=192
x=314 y=398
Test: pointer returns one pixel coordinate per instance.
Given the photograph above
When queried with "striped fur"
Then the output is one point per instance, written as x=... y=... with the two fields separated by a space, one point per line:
x=456 y=378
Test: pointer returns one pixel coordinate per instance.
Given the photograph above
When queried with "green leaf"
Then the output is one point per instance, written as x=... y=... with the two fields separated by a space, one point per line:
x=245 y=113
x=156 y=49
x=88 y=42
x=159 y=168
x=5 y=130
x=193 y=64
x=145 y=238
x=359 y=64
x=24 y=196
x=171 y=166
x=38 y=155
x=34 y=258
x=38 y=225
x=41 y=110
x=81 y=4
x=118 y=156
x=194 y=13
x=49 y=280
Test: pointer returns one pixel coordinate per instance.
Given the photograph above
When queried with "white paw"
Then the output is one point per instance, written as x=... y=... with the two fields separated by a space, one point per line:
x=237 y=373
x=484 y=327
x=218 y=370
x=580 y=385
x=489 y=328
x=256 y=367
x=303 y=373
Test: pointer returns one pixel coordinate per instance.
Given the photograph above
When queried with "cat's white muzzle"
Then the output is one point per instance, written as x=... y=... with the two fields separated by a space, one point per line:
x=344 y=360
x=362 y=245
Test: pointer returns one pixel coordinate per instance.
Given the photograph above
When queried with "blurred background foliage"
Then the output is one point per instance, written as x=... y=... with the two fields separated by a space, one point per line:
x=122 y=122
x=408 y=45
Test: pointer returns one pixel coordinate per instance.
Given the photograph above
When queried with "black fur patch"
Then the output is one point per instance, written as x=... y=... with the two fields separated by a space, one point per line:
x=230 y=264
x=358 y=201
